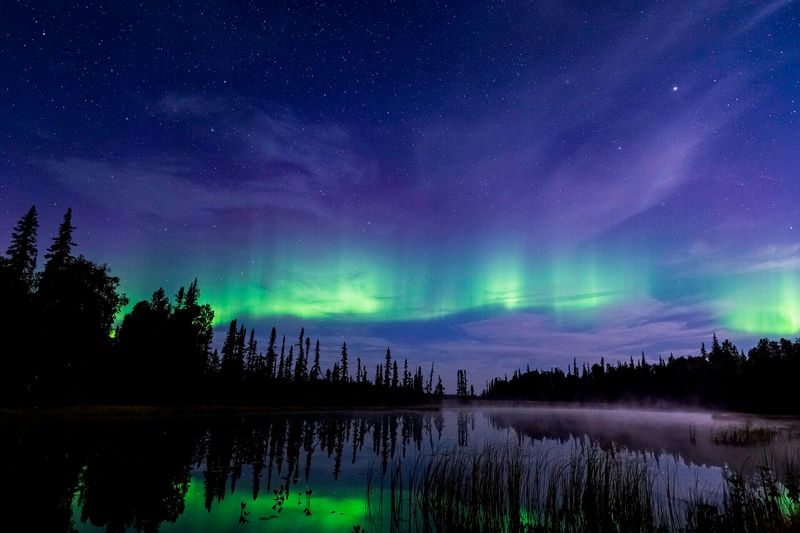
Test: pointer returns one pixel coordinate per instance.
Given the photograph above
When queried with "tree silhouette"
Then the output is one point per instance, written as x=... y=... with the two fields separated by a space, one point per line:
x=160 y=352
x=231 y=363
x=60 y=250
x=387 y=368
x=315 y=370
x=345 y=376
x=76 y=303
x=21 y=262
x=270 y=370
x=17 y=309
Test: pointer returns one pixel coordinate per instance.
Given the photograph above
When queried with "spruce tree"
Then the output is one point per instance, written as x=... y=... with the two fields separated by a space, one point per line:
x=344 y=370
x=439 y=391
x=252 y=352
x=60 y=250
x=287 y=367
x=229 y=367
x=282 y=362
x=301 y=366
x=22 y=250
x=270 y=371
x=387 y=368
x=315 y=370
x=300 y=355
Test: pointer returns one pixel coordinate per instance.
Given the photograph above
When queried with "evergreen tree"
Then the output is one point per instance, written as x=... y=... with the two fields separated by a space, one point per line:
x=308 y=354
x=282 y=364
x=252 y=353
x=299 y=366
x=21 y=261
x=76 y=302
x=395 y=376
x=241 y=339
x=17 y=310
x=60 y=250
x=315 y=370
x=192 y=295
x=231 y=366
x=345 y=377
x=270 y=370
x=213 y=363
x=287 y=368
x=387 y=368
x=439 y=391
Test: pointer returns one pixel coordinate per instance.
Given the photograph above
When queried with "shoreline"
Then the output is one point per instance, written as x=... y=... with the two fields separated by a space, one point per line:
x=150 y=412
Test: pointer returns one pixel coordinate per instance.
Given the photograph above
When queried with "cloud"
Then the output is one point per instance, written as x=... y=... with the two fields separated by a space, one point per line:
x=704 y=258
x=255 y=160
x=320 y=154
x=590 y=145
x=166 y=190
x=763 y=14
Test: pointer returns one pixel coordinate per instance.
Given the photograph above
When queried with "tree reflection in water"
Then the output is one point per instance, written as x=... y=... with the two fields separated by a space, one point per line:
x=123 y=474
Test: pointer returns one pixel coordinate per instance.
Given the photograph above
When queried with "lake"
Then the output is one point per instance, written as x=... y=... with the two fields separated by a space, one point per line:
x=333 y=470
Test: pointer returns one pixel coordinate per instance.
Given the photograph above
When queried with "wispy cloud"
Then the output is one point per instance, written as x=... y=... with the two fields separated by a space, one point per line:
x=165 y=189
x=577 y=153
x=270 y=161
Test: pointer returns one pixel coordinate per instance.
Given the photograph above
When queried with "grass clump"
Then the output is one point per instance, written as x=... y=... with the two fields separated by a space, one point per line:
x=505 y=489
x=744 y=435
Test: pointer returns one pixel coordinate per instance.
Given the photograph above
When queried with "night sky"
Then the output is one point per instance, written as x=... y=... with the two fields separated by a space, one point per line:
x=485 y=186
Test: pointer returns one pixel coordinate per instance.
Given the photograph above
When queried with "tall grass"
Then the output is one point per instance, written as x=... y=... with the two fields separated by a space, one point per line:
x=506 y=488
x=744 y=435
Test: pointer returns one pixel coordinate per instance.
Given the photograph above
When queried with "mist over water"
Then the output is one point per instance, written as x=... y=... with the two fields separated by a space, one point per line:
x=311 y=469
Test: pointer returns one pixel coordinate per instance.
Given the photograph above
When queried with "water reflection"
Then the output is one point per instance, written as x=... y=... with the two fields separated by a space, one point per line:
x=295 y=470
x=691 y=437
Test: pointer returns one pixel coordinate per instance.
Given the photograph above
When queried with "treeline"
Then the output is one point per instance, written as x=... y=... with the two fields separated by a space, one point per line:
x=59 y=345
x=764 y=380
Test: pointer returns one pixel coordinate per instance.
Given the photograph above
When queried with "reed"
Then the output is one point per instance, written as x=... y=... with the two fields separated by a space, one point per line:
x=744 y=435
x=507 y=488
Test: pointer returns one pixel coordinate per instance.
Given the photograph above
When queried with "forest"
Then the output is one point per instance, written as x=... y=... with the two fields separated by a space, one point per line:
x=763 y=380
x=61 y=345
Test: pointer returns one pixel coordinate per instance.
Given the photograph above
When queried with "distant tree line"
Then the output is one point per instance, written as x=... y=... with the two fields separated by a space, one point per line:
x=764 y=380
x=60 y=344
x=462 y=391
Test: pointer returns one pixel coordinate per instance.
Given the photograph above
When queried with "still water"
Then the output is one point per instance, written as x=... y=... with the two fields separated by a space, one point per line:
x=310 y=470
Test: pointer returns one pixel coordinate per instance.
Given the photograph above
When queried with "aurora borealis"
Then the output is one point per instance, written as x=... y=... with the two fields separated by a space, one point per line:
x=484 y=185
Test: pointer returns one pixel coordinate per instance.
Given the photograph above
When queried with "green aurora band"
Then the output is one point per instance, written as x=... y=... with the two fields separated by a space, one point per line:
x=382 y=285
x=368 y=288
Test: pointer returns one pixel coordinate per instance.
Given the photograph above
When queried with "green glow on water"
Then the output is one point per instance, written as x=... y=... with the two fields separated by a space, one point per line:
x=336 y=508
